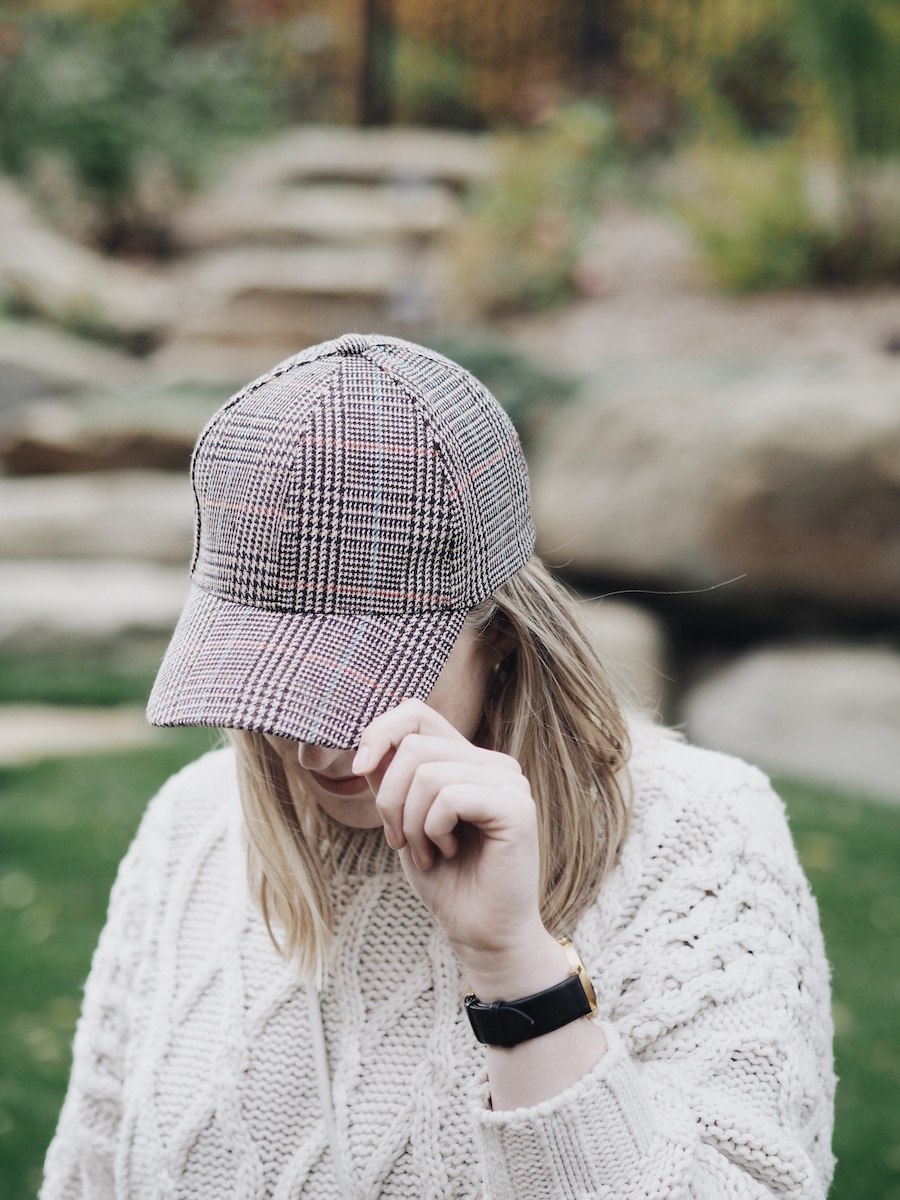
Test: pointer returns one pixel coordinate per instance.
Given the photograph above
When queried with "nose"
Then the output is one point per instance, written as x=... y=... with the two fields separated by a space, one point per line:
x=316 y=758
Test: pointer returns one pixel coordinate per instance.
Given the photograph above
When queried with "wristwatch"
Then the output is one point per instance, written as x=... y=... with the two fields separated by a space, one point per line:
x=508 y=1022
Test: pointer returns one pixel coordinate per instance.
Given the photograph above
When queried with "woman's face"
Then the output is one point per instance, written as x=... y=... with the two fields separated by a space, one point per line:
x=458 y=695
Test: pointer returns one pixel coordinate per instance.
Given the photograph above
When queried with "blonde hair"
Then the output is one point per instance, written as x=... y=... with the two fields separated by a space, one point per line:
x=552 y=707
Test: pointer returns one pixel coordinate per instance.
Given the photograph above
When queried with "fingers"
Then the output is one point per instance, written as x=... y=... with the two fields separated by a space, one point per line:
x=389 y=730
x=427 y=778
x=421 y=765
x=430 y=812
x=487 y=796
x=498 y=806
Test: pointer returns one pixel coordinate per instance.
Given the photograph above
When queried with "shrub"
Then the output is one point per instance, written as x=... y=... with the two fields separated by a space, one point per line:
x=432 y=85
x=110 y=121
x=771 y=216
x=748 y=212
x=821 y=69
x=525 y=228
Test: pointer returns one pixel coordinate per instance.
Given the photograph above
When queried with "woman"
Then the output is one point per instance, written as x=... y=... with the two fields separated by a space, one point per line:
x=431 y=782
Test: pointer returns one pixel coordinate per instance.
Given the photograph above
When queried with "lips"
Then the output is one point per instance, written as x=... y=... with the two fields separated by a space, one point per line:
x=345 y=785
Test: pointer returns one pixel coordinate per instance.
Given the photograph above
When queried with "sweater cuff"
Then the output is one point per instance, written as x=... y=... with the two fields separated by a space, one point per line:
x=597 y=1138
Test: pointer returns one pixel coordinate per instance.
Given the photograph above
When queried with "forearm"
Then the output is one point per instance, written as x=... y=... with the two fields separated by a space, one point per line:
x=535 y=1070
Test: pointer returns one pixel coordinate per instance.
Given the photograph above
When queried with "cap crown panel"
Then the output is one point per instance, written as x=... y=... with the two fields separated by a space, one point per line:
x=324 y=499
x=487 y=480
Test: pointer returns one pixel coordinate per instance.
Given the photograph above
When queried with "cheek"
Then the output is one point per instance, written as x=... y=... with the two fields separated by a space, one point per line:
x=283 y=747
x=460 y=698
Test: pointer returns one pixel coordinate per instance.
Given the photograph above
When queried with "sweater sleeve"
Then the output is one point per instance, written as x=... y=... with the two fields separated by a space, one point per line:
x=81 y=1159
x=714 y=997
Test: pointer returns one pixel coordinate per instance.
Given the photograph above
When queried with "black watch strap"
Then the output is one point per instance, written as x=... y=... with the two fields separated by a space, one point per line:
x=509 y=1022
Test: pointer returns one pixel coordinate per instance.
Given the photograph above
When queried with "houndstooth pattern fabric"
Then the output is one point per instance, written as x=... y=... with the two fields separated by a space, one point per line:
x=194 y=1076
x=352 y=505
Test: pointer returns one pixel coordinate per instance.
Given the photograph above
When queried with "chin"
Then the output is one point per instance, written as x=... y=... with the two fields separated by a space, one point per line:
x=353 y=813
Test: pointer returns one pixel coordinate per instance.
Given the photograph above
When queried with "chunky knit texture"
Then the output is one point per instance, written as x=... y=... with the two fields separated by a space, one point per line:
x=194 y=1077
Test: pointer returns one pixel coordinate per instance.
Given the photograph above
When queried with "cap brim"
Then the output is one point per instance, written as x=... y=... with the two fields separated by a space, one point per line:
x=314 y=677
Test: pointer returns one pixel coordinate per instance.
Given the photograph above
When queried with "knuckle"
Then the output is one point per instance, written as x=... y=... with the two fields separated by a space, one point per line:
x=525 y=788
x=407 y=751
x=384 y=807
x=505 y=762
x=439 y=815
x=427 y=776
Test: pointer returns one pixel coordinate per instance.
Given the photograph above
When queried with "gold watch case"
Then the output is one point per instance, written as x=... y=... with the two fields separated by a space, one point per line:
x=578 y=968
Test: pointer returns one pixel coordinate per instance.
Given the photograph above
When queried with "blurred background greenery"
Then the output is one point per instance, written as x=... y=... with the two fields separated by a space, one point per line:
x=769 y=129
x=772 y=125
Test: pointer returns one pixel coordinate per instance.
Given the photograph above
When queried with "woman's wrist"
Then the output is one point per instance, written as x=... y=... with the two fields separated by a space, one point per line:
x=512 y=973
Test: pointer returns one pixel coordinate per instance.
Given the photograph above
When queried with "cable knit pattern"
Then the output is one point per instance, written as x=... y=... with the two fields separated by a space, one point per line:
x=194 y=1077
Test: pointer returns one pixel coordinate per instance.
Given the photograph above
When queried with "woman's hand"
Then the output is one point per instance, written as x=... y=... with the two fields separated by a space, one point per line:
x=464 y=821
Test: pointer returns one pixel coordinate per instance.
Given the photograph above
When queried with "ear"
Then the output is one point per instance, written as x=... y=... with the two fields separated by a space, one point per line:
x=502 y=642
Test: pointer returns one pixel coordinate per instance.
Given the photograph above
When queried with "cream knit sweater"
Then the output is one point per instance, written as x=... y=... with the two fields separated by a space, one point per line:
x=194 y=1076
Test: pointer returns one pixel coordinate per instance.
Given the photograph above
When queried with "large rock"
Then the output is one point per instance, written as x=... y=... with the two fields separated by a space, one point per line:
x=823 y=713
x=53 y=605
x=632 y=646
x=683 y=477
x=134 y=515
x=325 y=213
x=44 y=273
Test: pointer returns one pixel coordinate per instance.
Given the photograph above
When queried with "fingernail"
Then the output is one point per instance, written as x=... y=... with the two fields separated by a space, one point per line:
x=392 y=840
x=362 y=761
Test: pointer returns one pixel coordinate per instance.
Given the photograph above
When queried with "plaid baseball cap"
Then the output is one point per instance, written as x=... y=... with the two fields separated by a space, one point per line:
x=351 y=506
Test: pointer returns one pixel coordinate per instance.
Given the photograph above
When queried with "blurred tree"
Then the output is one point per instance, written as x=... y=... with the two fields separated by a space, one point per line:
x=375 y=73
x=852 y=49
x=525 y=228
x=827 y=71
x=110 y=120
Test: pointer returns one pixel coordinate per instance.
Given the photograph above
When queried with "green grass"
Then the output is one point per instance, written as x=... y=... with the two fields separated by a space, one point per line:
x=851 y=853
x=64 y=825
x=115 y=675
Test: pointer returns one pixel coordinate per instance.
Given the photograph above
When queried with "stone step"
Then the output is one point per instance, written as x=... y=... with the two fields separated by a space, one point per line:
x=29 y=732
x=150 y=425
x=288 y=298
x=213 y=360
x=37 y=361
x=341 y=153
x=348 y=213
x=53 y=605
x=287 y=319
x=349 y=272
x=58 y=443
x=141 y=515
